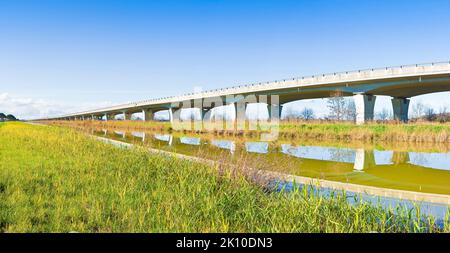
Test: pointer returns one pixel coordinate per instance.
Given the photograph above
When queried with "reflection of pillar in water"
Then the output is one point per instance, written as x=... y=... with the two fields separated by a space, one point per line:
x=170 y=140
x=120 y=134
x=105 y=132
x=232 y=148
x=139 y=135
x=224 y=144
x=400 y=157
x=364 y=159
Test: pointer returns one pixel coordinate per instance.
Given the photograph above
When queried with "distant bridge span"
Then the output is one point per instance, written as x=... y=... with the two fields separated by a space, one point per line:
x=401 y=83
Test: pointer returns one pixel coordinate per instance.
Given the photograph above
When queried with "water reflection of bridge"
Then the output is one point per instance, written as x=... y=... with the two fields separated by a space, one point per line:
x=362 y=159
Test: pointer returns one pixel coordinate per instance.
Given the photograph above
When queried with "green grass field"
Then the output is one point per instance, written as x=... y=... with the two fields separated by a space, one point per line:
x=53 y=179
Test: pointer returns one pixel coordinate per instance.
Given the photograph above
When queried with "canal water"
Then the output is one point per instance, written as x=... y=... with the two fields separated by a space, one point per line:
x=426 y=170
x=418 y=168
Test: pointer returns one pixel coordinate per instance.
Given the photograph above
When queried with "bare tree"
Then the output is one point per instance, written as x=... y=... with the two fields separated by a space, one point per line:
x=418 y=110
x=350 y=110
x=443 y=110
x=384 y=114
x=307 y=114
x=336 y=105
x=429 y=113
x=443 y=115
x=289 y=113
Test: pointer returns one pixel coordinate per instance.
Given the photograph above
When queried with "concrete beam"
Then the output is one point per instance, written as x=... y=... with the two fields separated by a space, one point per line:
x=400 y=107
x=364 y=105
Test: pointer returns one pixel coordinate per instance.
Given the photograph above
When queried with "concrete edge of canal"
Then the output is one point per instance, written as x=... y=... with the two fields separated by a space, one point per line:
x=320 y=183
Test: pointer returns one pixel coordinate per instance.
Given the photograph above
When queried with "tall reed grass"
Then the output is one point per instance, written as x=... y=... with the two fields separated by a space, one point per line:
x=58 y=180
x=421 y=132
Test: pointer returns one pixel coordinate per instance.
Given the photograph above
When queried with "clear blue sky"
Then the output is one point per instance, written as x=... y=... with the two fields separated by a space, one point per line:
x=60 y=56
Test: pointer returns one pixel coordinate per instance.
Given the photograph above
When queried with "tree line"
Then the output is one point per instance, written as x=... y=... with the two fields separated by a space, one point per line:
x=9 y=117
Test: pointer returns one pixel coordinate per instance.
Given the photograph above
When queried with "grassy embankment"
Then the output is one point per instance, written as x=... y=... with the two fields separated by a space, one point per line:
x=341 y=131
x=58 y=180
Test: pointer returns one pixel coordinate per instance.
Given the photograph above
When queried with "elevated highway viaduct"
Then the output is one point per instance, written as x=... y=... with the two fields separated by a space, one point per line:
x=401 y=83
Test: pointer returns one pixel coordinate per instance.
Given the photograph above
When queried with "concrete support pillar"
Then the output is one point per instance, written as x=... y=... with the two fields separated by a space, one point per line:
x=171 y=115
x=109 y=116
x=198 y=124
x=240 y=117
x=400 y=107
x=204 y=112
x=240 y=110
x=174 y=114
x=364 y=159
x=274 y=111
x=207 y=114
x=274 y=108
x=174 y=117
x=147 y=115
x=364 y=105
x=126 y=116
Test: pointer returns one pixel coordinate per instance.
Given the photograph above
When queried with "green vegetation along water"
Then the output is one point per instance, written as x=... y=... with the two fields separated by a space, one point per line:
x=59 y=180
x=296 y=130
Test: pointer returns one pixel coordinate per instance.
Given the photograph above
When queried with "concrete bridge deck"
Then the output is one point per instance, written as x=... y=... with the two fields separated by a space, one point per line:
x=401 y=83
